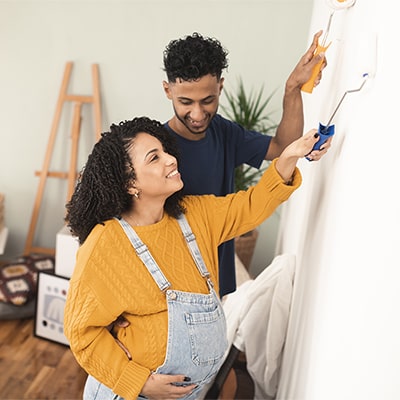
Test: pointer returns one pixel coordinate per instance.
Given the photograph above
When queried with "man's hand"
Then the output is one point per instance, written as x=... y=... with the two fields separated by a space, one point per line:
x=304 y=68
x=121 y=322
x=292 y=123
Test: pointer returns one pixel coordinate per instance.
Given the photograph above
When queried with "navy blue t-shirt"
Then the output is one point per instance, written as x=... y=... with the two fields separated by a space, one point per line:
x=207 y=166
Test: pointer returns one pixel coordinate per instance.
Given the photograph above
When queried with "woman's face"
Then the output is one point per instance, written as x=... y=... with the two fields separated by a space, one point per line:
x=156 y=171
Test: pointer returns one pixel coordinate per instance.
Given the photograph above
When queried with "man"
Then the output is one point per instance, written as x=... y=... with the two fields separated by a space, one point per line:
x=212 y=146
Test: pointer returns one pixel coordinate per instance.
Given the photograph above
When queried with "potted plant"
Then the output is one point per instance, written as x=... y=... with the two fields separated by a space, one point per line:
x=248 y=109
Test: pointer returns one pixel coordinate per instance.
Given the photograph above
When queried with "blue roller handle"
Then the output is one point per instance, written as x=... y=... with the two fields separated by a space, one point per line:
x=324 y=132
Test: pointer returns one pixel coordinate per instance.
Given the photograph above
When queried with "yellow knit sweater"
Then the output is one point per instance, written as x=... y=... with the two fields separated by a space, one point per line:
x=109 y=280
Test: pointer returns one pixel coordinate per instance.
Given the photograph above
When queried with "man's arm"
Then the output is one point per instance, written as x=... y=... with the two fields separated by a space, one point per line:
x=291 y=125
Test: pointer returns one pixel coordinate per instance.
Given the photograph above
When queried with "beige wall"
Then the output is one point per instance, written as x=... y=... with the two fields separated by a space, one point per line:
x=343 y=223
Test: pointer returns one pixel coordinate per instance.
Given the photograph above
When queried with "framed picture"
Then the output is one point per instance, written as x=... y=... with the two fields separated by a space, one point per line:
x=49 y=313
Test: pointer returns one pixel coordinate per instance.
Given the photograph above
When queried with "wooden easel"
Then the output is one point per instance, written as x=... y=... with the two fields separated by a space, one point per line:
x=71 y=175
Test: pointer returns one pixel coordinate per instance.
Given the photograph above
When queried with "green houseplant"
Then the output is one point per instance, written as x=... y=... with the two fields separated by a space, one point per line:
x=249 y=109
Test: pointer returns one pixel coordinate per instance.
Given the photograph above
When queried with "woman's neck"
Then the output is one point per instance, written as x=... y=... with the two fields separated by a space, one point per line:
x=136 y=218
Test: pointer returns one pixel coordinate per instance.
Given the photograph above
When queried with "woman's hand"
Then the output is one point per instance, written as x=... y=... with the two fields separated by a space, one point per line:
x=163 y=387
x=316 y=155
x=300 y=148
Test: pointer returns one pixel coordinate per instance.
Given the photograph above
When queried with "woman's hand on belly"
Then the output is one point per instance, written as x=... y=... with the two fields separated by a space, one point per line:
x=163 y=387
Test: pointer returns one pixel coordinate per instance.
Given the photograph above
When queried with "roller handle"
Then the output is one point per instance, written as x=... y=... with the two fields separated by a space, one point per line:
x=309 y=85
x=324 y=132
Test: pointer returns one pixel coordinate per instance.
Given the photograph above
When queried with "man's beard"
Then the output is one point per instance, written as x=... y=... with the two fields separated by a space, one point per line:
x=188 y=126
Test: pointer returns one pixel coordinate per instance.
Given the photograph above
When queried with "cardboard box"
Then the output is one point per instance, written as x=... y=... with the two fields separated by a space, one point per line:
x=3 y=229
x=1 y=211
x=66 y=248
x=3 y=238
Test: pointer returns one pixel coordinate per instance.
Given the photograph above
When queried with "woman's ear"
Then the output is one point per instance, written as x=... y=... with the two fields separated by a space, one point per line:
x=134 y=191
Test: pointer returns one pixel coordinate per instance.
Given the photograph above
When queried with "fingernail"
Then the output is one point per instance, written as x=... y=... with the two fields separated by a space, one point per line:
x=187 y=379
x=316 y=135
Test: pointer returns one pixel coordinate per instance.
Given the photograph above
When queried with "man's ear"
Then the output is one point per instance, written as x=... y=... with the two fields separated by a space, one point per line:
x=167 y=89
x=221 y=84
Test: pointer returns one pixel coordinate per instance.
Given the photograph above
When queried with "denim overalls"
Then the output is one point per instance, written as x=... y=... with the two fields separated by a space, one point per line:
x=196 y=324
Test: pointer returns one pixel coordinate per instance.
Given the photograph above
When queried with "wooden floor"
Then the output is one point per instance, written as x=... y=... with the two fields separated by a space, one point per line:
x=33 y=368
x=37 y=369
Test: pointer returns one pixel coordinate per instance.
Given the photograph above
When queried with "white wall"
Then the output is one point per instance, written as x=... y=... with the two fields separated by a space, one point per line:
x=343 y=339
x=126 y=38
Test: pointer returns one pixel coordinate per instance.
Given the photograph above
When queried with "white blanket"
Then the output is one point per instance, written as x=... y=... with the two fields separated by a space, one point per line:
x=257 y=319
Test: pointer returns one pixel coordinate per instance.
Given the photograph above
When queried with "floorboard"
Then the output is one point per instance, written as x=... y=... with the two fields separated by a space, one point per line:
x=34 y=368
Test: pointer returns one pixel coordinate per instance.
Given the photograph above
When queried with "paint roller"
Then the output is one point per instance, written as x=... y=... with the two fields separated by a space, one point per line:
x=326 y=131
x=321 y=48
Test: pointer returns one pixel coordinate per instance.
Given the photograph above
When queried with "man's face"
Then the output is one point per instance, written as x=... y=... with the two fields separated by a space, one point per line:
x=195 y=103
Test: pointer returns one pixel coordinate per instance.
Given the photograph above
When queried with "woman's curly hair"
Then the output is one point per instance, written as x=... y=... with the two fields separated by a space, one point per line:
x=193 y=57
x=102 y=189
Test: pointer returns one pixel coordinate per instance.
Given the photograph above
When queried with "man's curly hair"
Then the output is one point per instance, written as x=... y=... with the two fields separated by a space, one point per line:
x=102 y=189
x=193 y=57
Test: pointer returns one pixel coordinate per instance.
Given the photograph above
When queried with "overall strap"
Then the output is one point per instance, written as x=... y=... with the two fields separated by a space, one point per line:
x=192 y=244
x=144 y=254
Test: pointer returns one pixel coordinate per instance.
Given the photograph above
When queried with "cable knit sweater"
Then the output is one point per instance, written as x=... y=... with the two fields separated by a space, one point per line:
x=109 y=280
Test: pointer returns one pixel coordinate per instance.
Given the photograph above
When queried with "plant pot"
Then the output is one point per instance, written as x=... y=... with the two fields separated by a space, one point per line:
x=245 y=245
